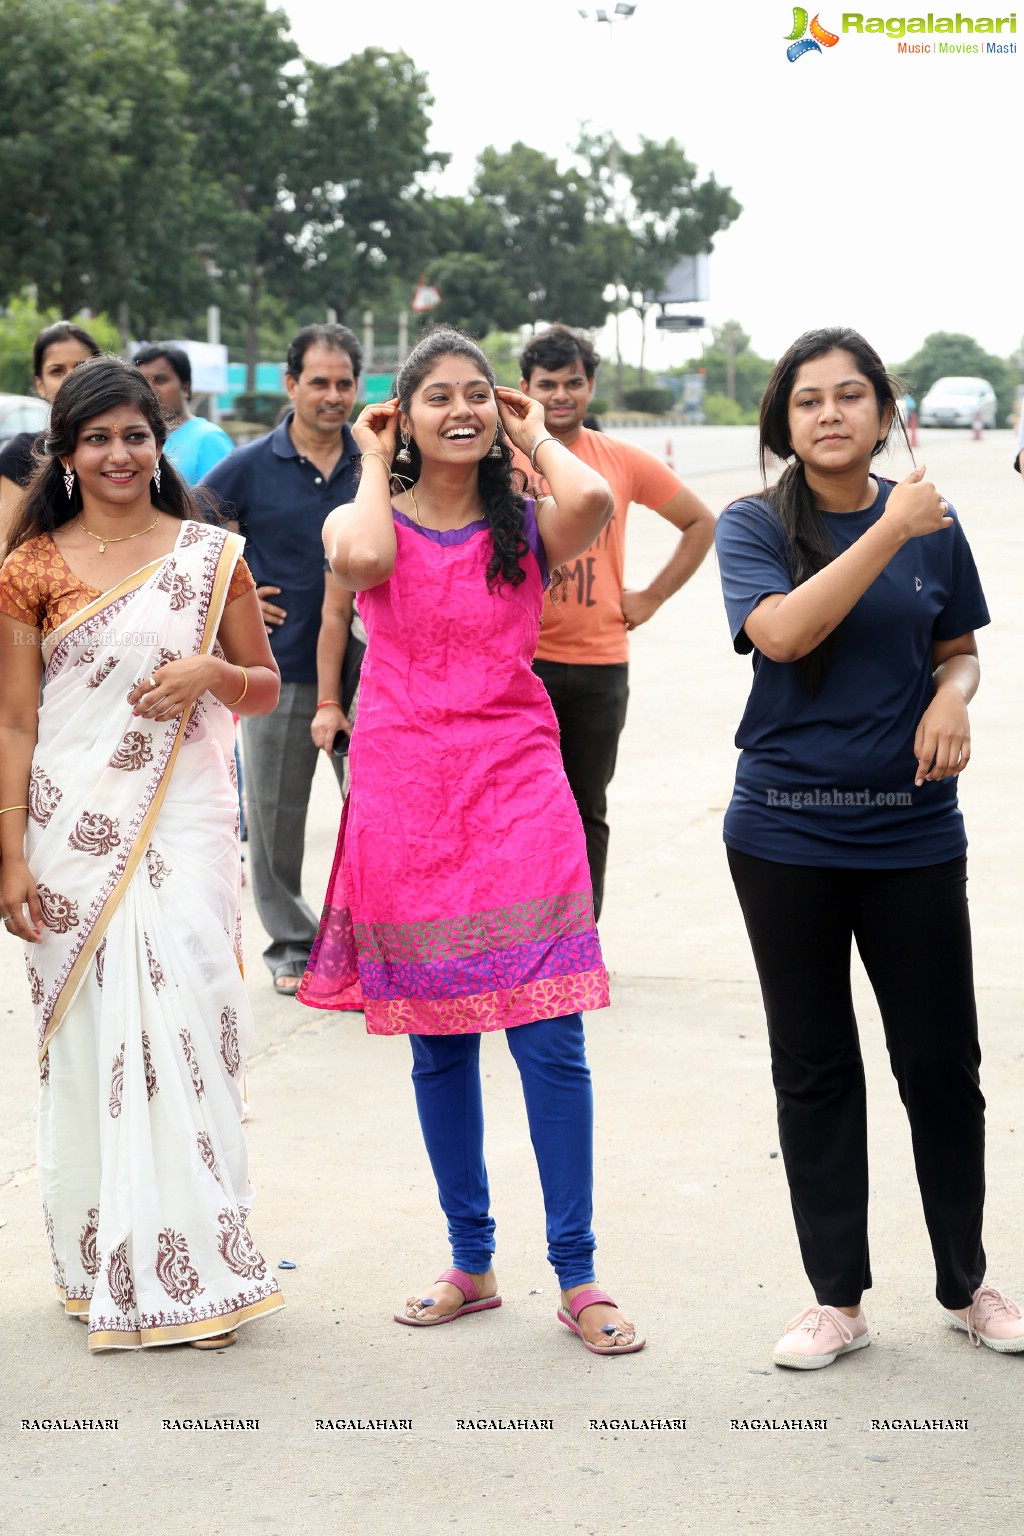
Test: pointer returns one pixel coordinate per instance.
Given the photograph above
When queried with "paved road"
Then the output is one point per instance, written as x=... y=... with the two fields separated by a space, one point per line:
x=692 y=1211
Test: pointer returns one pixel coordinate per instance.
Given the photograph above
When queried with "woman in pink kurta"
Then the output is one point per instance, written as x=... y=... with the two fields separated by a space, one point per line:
x=460 y=895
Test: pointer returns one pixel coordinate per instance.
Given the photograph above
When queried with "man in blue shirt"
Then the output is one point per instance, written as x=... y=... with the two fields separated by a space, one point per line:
x=195 y=445
x=279 y=489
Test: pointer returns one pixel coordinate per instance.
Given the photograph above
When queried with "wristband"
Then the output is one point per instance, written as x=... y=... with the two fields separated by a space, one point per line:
x=323 y=702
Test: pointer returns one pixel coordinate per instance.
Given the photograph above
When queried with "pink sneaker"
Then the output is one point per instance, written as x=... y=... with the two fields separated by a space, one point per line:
x=817 y=1336
x=992 y=1319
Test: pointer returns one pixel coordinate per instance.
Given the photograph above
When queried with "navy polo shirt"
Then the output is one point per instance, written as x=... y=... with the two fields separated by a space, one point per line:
x=828 y=780
x=280 y=501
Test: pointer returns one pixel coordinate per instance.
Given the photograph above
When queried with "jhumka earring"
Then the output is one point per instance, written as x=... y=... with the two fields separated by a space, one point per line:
x=69 y=481
x=403 y=456
x=156 y=477
x=494 y=451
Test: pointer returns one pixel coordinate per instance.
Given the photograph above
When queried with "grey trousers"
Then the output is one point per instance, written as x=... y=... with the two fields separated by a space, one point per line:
x=280 y=760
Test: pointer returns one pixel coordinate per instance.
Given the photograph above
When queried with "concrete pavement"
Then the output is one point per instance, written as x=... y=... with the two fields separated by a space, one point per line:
x=692 y=1214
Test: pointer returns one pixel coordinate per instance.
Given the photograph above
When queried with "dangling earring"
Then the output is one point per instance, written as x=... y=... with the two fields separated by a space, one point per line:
x=403 y=456
x=494 y=451
x=156 y=477
x=69 y=481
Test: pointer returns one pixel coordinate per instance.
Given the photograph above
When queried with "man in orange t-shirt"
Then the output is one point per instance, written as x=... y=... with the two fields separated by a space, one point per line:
x=583 y=655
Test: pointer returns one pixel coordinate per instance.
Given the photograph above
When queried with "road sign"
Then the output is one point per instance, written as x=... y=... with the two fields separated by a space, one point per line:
x=426 y=296
x=687 y=283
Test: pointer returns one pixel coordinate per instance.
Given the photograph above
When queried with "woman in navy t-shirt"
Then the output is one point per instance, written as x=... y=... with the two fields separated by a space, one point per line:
x=859 y=599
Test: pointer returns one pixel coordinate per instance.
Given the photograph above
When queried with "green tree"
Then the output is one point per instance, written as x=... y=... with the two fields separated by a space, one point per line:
x=463 y=240
x=503 y=349
x=654 y=210
x=731 y=339
x=950 y=353
x=720 y=411
x=20 y=324
x=365 y=128
x=95 y=159
x=733 y=370
x=476 y=295
x=536 y=227
x=243 y=108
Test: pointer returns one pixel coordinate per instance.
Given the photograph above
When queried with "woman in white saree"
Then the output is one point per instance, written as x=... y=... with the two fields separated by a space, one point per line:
x=120 y=871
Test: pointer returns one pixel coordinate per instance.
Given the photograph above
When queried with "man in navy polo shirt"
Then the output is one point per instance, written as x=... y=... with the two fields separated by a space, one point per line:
x=279 y=489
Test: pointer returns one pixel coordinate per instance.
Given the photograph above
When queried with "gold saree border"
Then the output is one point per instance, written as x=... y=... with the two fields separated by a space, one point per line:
x=226 y=561
x=124 y=588
x=208 y=1328
x=74 y=1306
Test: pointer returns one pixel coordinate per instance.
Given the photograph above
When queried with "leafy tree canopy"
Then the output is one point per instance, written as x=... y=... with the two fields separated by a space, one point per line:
x=539 y=230
x=19 y=327
x=94 y=157
x=652 y=210
x=157 y=156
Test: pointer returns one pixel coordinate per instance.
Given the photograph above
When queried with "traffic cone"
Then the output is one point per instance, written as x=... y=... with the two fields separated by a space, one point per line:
x=668 y=454
x=976 y=428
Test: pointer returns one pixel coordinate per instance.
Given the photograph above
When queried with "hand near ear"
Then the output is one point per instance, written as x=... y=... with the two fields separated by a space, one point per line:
x=376 y=430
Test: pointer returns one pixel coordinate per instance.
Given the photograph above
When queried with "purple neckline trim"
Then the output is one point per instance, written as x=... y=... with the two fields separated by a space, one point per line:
x=462 y=535
x=442 y=536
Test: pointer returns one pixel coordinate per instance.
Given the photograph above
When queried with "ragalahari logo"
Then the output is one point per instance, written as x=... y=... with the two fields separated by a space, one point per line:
x=800 y=43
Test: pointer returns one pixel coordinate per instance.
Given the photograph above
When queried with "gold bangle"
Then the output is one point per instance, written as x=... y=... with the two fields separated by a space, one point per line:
x=13 y=808
x=245 y=688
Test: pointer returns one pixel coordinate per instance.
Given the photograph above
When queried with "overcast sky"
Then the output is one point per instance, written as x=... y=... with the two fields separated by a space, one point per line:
x=878 y=189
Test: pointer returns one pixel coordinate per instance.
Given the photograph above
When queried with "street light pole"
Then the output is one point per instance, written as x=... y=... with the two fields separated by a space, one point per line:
x=609 y=15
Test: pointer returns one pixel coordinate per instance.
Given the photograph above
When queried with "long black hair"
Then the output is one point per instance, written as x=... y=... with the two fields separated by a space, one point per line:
x=97 y=385
x=808 y=545
x=501 y=484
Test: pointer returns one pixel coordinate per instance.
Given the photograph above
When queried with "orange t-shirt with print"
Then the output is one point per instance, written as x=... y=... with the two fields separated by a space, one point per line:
x=583 y=622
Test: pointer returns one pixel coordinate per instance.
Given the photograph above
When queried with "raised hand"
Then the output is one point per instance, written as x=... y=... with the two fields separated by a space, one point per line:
x=916 y=508
x=521 y=417
x=376 y=430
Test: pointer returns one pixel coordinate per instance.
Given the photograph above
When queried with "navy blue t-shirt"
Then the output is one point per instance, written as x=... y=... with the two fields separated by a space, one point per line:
x=281 y=501
x=829 y=780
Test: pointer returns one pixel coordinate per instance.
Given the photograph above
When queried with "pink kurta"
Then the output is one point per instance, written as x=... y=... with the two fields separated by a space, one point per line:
x=460 y=893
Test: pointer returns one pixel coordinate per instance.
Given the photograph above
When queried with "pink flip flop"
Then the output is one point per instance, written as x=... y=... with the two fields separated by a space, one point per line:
x=570 y=1317
x=474 y=1302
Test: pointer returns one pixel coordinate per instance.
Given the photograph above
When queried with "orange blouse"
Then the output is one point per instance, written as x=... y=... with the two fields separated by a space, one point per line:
x=38 y=587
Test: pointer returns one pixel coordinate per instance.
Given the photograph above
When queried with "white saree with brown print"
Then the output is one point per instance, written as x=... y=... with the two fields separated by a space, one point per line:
x=143 y=1018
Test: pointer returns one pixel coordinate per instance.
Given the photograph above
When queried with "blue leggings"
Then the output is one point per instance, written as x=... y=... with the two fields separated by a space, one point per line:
x=552 y=1063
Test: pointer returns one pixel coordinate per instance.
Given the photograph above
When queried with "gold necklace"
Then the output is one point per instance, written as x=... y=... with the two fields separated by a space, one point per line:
x=416 y=510
x=121 y=538
x=415 y=507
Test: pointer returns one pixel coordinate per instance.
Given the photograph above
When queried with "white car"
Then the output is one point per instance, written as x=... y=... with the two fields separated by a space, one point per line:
x=957 y=402
x=21 y=413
